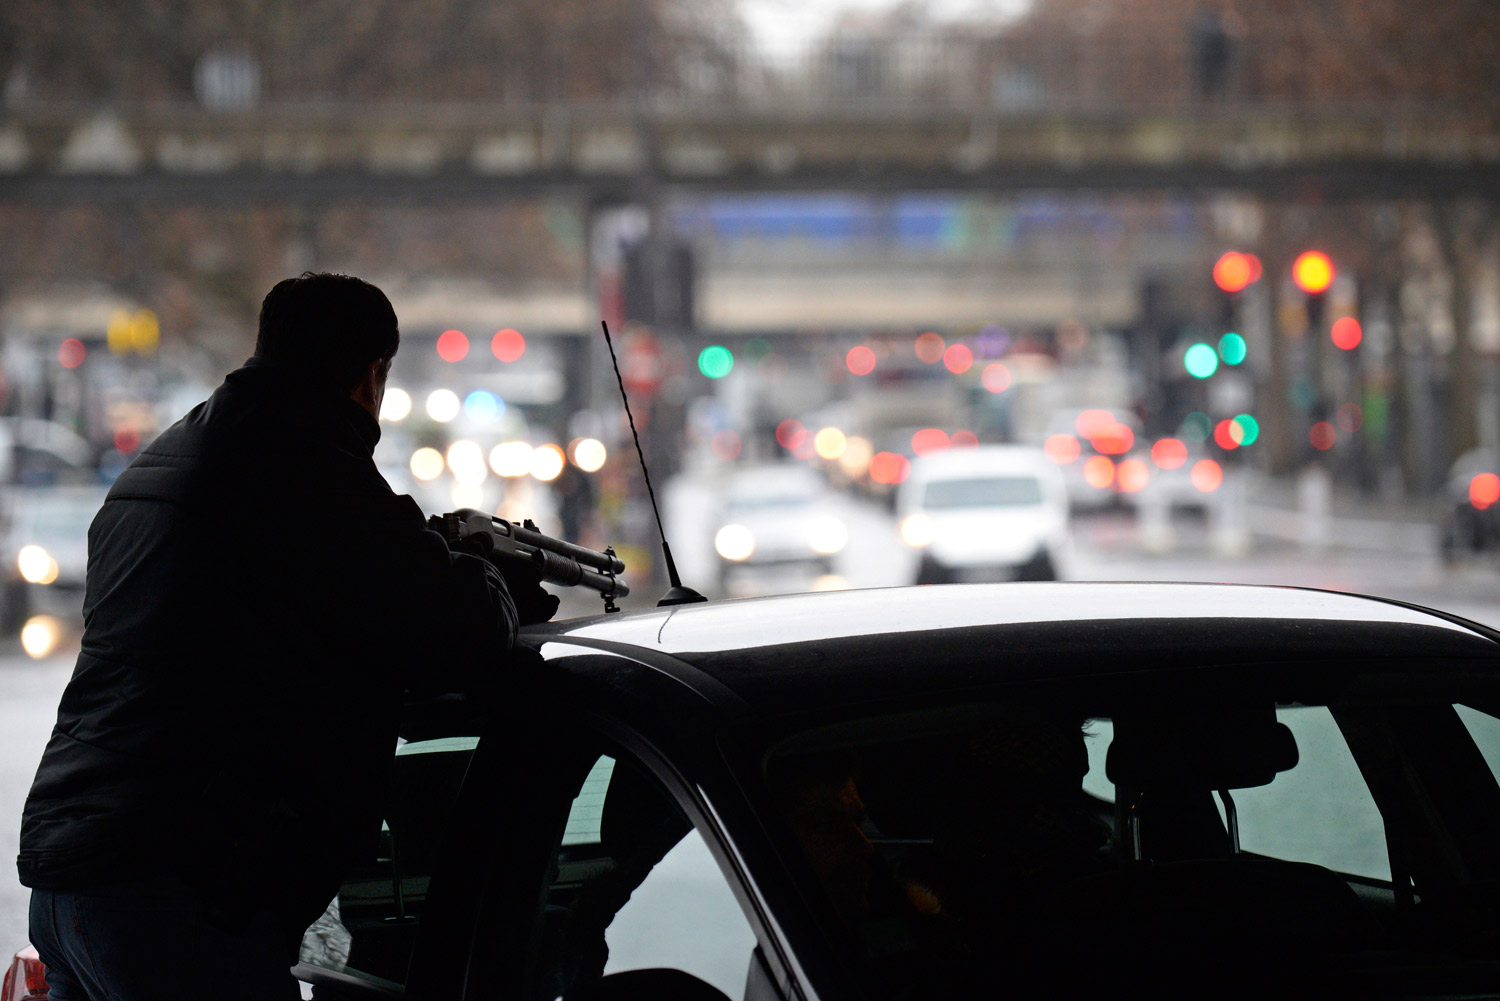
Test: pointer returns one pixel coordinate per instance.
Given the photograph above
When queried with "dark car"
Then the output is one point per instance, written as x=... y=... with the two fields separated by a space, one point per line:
x=1469 y=519
x=956 y=791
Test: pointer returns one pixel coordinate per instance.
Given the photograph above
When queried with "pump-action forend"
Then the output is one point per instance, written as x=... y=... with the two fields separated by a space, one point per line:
x=561 y=563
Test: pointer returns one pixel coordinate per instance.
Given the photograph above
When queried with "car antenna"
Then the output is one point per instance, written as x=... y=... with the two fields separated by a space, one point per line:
x=677 y=594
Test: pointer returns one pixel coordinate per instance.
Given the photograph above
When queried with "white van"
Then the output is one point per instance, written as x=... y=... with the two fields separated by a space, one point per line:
x=996 y=512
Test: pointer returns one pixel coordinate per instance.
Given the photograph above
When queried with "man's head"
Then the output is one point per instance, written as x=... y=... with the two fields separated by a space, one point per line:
x=339 y=331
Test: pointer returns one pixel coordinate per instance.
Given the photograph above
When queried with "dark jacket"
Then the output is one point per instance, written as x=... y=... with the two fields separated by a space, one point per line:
x=257 y=600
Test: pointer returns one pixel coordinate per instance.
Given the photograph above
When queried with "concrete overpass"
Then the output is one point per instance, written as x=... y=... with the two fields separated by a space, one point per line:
x=315 y=152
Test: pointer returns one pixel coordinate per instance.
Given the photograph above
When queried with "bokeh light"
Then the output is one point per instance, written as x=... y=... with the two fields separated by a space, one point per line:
x=1484 y=490
x=1133 y=475
x=1232 y=348
x=589 y=454
x=860 y=360
x=36 y=565
x=396 y=406
x=1169 y=453
x=1113 y=439
x=511 y=458
x=1227 y=435
x=995 y=377
x=71 y=352
x=1350 y=417
x=40 y=636
x=483 y=407
x=1322 y=436
x=1201 y=361
x=1099 y=471
x=1249 y=428
x=452 y=345
x=127 y=440
x=427 y=464
x=963 y=439
x=888 y=468
x=1232 y=272
x=958 y=359
x=726 y=445
x=829 y=443
x=443 y=405
x=1312 y=271
x=1062 y=449
x=790 y=434
x=1207 y=475
x=930 y=347
x=466 y=460
x=547 y=463
x=508 y=345
x=715 y=361
x=855 y=461
x=1196 y=426
x=1346 y=333
x=1091 y=422
x=930 y=441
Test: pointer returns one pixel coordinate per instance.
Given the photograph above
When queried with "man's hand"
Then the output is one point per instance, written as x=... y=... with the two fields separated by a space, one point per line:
x=524 y=582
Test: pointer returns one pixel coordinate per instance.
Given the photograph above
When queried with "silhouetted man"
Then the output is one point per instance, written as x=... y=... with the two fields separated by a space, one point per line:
x=257 y=600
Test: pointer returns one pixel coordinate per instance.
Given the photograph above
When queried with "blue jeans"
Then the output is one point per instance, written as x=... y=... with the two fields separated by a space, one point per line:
x=147 y=941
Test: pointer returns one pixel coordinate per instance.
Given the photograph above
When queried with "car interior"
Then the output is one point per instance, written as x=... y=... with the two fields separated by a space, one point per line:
x=988 y=862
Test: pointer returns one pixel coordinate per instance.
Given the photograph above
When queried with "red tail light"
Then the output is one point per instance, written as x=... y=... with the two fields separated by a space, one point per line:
x=26 y=980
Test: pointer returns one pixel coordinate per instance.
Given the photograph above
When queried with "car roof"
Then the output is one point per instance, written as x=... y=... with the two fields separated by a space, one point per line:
x=795 y=652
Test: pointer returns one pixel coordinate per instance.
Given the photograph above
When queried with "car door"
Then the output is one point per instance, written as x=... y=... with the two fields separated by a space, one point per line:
x=607 y=879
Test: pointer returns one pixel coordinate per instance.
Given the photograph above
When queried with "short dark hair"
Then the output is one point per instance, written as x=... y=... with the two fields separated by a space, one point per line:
x=329 y=326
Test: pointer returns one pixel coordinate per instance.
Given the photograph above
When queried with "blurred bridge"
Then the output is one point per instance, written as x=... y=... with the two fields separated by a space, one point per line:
x=874 y=114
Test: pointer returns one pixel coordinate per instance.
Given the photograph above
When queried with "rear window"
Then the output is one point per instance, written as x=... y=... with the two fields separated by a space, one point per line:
x=986 y=491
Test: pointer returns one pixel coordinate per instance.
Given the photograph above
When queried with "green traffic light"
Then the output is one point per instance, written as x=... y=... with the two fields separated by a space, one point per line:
x=1201 y=361
x=1232 y=348
x=1196 y=426
x=715 y=361
x=1249 y=429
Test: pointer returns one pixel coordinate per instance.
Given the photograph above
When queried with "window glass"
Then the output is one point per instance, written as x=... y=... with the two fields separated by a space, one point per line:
x=371 y=926
x=989 y=491
x=634 y=886
x=1320 y=811
x=1098 y=733
x=1485 y=729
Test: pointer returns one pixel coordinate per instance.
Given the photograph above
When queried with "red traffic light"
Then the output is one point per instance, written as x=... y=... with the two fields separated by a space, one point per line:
x=1234 y=271
x=1312 y=272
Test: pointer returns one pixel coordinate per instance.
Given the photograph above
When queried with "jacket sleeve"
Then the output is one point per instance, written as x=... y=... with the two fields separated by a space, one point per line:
x=442 y=620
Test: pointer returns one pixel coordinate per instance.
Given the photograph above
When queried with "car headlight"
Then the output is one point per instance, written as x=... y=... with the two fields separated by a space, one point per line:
x=734 y=543
x=917 y=531
x=36 y=565
x=827 y=535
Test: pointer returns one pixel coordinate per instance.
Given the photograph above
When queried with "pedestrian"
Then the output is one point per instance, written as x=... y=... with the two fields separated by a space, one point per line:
x=257 y=601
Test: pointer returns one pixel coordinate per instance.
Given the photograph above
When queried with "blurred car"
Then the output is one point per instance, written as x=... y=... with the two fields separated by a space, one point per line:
x=1168 y=473
x=1087 y=445
x=39 y=453
x=46 y=552
x=1469 y=518
x=995 y=512
x=967 y=791
x=777 y=516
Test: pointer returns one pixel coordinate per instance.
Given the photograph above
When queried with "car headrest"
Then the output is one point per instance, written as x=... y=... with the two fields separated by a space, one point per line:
x=1210 y=750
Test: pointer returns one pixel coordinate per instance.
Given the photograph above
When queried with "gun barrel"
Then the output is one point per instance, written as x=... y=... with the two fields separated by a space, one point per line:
x=603 y=562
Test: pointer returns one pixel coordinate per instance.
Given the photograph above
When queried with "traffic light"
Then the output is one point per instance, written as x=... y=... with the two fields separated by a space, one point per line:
x=1312 y=272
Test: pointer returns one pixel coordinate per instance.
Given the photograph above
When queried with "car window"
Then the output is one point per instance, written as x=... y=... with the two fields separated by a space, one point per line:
x=370 y=927
x=1485 y=729
x=987 y=491
x=633 y=886
x=1319 y=811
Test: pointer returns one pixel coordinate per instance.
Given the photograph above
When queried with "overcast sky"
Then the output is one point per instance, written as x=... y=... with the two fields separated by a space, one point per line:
x=784 y=27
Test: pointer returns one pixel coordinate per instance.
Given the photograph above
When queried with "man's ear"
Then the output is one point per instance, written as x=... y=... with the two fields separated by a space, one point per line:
x=370 y=389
